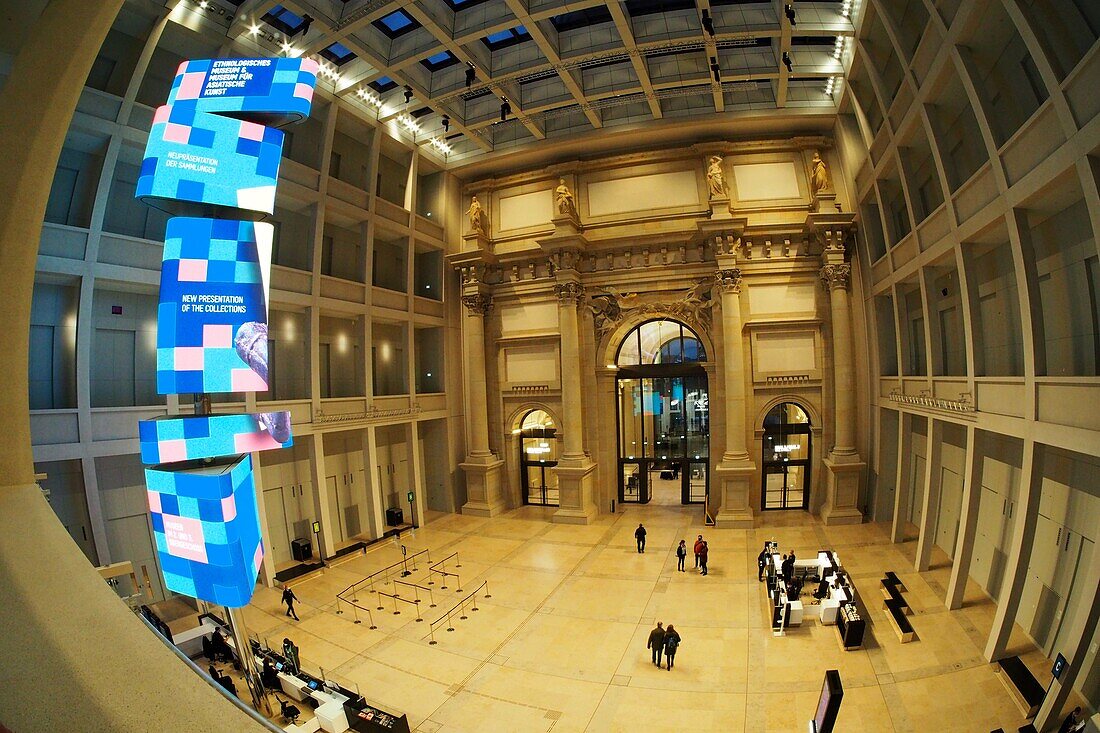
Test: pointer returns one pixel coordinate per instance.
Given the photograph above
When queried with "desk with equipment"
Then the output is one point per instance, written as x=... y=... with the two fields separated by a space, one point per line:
x=834 y=597
x=337 y=709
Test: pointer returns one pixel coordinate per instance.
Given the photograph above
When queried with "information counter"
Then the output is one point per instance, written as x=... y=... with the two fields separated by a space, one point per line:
x=825 y=580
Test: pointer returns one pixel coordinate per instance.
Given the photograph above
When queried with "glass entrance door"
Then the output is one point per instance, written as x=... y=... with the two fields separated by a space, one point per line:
x=786 y=458
x=664 y=429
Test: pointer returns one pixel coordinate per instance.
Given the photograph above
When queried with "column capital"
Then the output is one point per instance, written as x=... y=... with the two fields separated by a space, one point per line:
x=569 y=292
x=729 y=279
x=478 y=303
x=835 y=276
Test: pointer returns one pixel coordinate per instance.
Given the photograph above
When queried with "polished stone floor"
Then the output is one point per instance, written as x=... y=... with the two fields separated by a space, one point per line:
x=560 y=645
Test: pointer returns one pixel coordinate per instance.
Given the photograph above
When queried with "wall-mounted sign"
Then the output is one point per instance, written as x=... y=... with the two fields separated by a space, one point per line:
x=212 y=152
x=316 y=527
x=411 y=497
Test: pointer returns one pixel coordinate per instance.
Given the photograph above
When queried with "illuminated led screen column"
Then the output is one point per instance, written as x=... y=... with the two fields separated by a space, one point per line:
x=213 y=157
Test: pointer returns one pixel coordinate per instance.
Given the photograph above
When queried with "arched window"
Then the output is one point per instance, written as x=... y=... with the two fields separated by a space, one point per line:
x=786 y=458
x=538 y=456
x=660 y=342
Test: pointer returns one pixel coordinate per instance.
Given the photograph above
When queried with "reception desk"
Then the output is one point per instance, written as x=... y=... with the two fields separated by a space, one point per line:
x=825 y=576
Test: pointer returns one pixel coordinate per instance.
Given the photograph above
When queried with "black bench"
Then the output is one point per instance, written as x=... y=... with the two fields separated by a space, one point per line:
x=896 y=613
x=891 y=592
x=1022 y=685
x=895 y=581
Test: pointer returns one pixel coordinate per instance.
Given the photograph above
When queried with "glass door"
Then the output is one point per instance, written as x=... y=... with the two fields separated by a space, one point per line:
x=786 y=458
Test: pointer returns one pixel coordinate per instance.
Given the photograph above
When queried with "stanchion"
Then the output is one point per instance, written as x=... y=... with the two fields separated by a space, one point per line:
x=449 y=621
x=371 y=617
x=418 y=619
x=356 y=615
x=395 y=611
x=487 y=590
x=431 y=599
x=338 y=611
x=433 y=642
x=458 y=582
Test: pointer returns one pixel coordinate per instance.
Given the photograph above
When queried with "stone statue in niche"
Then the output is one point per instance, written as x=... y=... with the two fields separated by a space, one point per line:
x=477 y=223
x=563 y=197
x=716 y=182
x=819 y=175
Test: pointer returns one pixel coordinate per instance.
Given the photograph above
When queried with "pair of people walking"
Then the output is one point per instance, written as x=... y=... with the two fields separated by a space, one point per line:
x=663 y=641
x=701 y=553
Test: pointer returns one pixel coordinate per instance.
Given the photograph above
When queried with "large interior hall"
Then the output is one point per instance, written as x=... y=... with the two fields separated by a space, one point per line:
x=498 y=255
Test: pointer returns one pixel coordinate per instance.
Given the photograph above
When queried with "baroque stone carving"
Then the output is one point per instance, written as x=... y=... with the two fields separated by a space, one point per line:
x=716 y=182
x=729 y=279
x=569 y=292
x=693 y=308
x=836 y=276
x=479 y=303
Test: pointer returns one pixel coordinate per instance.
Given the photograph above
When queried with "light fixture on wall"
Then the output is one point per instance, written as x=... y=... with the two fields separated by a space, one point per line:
x=446 y=123
x=715 y=69
x=787 y=62
x=471 y=74
x=788 y=10
x=408 y=94
x=505 y=109
x=708 y=23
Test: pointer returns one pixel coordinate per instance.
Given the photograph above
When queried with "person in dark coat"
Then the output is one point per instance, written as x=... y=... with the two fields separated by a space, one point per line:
x=672 y=643
x=288 y=599
x=761 y=564
x=703 y=558
x=639 y=534
x=788 y=567
x=697 y=549
x=1072 y=723
x=681 y=554
x=656 y=643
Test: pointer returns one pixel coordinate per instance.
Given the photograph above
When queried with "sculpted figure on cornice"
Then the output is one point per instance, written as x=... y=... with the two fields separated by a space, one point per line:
x=819 y=175
x=716 y=181
x=476 y=216
x=611 y=306
x=563 y=197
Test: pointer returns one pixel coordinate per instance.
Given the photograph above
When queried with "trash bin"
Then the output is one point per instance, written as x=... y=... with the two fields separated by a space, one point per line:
x=301 y=549
x=394 y=517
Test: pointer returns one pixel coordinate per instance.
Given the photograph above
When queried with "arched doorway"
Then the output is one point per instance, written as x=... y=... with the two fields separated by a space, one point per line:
x=663 y=415
x=787 y=452
x=538 y=454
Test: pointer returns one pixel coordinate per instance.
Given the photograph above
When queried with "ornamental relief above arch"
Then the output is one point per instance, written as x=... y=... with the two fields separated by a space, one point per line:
x=612 y=307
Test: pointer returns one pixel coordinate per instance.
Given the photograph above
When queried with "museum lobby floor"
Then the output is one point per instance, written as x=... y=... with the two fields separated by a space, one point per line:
x=561 y=644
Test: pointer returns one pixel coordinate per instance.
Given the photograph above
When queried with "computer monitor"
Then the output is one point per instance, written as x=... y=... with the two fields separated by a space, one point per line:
x=314 y=684
x=279 y=666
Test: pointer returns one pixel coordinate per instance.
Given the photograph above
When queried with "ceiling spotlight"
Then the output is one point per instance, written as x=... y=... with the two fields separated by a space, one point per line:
x=446 y=123
x=788 y=10
x=505 y=109
x=787 y=62
x=846 y=8
x=708 y=23
x=254 y=29
x=287 y=48
x=471 y=74
x=204 y=5
x=408 y=94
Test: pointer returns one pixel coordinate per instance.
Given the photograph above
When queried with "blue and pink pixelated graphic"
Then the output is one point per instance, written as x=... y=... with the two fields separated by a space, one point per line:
x=213 y=151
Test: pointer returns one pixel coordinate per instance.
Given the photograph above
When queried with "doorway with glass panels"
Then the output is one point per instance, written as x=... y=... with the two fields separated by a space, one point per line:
x=538 y=454
x=663 y=416
x=787 y=453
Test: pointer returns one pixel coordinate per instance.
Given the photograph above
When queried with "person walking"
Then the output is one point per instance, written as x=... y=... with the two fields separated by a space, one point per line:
x=761 y=564
x=698 y=548
x=672 y=643
x=681 y=555
x=639 y=534
x=656 y=643
x=288 y=599
x=703 y=557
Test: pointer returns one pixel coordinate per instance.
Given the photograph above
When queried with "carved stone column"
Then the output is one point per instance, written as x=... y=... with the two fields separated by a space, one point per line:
x=843 y=462
x=575 y=470
x=737 y=470
x=482 y=467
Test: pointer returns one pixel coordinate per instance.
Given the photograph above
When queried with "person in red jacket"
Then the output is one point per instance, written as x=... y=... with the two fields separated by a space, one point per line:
x=698 y=550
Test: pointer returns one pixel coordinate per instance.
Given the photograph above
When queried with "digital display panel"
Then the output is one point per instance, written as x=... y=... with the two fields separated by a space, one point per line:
x=212 y=317
x=213 y=151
